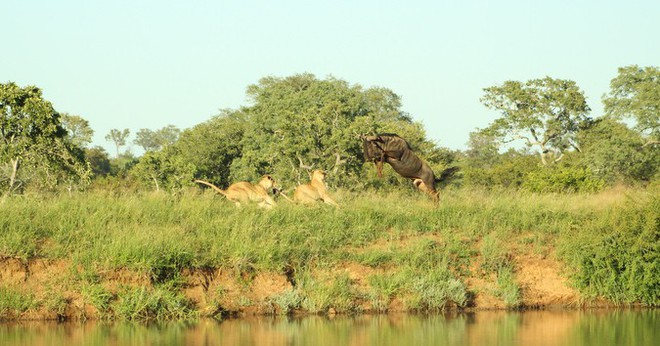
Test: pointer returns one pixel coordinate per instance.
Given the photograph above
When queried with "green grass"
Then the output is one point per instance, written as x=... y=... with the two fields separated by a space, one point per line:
x=609 y=242
x=14 y=302
x=160 y=303
x=507 y=288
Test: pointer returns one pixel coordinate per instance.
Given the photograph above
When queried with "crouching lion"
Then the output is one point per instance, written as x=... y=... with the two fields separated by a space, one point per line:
x=314 y=191
x=244 y=192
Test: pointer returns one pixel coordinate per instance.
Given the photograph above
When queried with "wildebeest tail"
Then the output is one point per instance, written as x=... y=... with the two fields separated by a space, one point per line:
x=446 y=173
x=220 y=191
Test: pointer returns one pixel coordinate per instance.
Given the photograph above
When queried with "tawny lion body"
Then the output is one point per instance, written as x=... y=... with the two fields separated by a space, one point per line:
x=314 y=191
x=244 y=192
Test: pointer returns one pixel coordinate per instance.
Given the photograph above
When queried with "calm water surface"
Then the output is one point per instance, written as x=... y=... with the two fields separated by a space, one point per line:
x=593 y=327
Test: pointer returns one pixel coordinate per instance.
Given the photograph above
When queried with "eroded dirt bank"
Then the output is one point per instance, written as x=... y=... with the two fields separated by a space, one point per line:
x=540 y=279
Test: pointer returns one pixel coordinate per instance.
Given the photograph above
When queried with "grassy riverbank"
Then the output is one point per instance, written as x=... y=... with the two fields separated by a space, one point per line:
x=163 y=257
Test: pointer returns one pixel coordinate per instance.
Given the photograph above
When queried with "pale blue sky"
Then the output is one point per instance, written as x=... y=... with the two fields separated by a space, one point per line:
x=147 y=64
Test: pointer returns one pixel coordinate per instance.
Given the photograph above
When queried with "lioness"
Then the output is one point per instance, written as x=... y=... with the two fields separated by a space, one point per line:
x=314 y=191
x=243 y=192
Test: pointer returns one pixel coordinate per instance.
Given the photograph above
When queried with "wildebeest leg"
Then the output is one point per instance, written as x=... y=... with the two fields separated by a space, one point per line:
x=379 y=164
x=379 y=168
x=428 y=189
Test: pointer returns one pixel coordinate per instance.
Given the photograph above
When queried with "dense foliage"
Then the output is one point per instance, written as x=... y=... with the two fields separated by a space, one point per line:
x=635 y=93
x=34 y=147
x=295 y=124
x=546 y=113
x=617 y=256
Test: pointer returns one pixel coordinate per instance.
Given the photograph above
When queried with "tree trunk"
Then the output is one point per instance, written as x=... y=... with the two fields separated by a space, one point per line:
x=543 y=160
x=12 y=177
x=338 y=162
x=155 y=182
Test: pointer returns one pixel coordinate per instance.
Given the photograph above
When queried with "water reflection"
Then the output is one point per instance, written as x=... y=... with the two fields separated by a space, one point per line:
x=594 y=327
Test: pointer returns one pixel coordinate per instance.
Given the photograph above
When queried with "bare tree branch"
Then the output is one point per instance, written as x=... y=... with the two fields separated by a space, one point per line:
x=302 y=165
x=651 y=142
x=338 y=162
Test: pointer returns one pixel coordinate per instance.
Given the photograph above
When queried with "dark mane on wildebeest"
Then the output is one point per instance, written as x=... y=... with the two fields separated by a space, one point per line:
x=390 y=148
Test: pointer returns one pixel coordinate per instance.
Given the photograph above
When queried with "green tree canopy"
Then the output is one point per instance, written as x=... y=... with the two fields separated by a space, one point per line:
x=164 y=169
x=118 y=137
x=99 y=161
x=212 y=146
x=545 y=113
x=292 y=126
x=32 y=137
x=614 y=152
x=79 y=133
x=155 y=140
x=635 y=94
x=483 y=150
x=300 y=123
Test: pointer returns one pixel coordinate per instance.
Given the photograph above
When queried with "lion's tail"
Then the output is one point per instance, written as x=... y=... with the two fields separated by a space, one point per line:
x=220 y=191
x=447 y=173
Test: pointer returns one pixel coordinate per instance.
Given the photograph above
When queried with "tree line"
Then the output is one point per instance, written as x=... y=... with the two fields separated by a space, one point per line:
x=543 y=139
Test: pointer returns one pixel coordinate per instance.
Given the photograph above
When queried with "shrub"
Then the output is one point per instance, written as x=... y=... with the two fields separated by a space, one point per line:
x=562 y=179
x=143 y=304
x=617 y=256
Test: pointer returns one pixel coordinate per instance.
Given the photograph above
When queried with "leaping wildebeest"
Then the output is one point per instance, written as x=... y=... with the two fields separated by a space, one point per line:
x=390 y=148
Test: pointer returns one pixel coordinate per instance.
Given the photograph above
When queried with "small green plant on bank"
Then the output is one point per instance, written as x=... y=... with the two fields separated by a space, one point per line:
x=383 y=288
x=55 y=302
x=507 y=288
x=99 y=297
x=288 y=301
x=14 y=302
x=494 y=254
x=433 y=290
x=159 y=303
x=321 y=294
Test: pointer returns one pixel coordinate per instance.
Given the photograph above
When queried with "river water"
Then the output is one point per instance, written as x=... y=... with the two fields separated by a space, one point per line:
x=561 y=327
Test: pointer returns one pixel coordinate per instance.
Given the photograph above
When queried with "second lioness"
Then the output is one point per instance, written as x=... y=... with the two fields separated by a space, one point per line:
x=314 y=191
x=243 y=192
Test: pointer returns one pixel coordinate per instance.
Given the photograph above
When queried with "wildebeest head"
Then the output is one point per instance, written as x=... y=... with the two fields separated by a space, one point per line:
x=371 y=151
x=375 y=147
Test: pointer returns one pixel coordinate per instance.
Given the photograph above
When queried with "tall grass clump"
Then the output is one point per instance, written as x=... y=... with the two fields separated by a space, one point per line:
x=23 y=228
x=432 y=290
x=617 y=256
x=507 y=288
x=429 y=284
x=383 y=288
x=99 y=297
x=497 y=259
x=320 y=294
x=288 y=301
x=159 y=304
x=494 y=254
x=14 y=302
